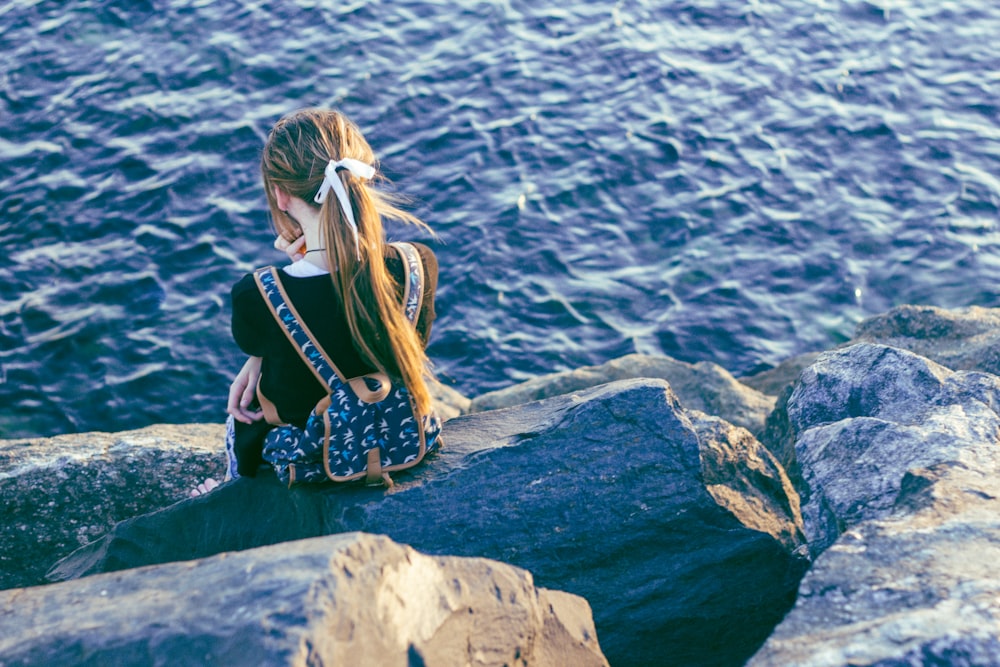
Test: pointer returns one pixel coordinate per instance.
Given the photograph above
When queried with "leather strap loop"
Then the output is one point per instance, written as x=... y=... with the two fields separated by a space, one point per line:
x=374 y=476
x=360 y=387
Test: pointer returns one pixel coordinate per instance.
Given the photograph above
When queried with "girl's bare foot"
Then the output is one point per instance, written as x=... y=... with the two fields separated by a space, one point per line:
x=203 y=488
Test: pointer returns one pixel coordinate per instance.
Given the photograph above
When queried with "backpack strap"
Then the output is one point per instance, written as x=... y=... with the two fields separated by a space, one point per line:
x=312 y=353
x=413 y=280
x=309 y=349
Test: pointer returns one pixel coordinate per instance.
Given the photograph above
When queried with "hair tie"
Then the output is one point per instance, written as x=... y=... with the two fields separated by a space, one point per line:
x=332 y=181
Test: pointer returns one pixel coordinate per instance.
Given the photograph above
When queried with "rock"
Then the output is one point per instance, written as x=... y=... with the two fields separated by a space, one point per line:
x=961 y=339
x=60 y=493
x=703 y=386
x=865 y=415
x=918 y=587
x=898 y=459
x=599 y=494
x=746 y=479
x=773 y=381
x=351 y=599
x=448 y=402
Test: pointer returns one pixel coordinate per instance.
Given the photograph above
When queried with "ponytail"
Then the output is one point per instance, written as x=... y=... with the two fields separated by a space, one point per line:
x=381 y=332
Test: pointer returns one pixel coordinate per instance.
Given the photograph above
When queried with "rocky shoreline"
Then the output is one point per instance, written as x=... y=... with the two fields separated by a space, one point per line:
x=839 y=509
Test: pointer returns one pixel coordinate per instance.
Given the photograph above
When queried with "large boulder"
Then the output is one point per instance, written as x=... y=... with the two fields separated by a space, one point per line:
x=600 y=494
x=865 y=415
x=702 y=386
x=746 y=479
x=62 y=492
x=352 y=599
x=448 y=402
x=898 y=462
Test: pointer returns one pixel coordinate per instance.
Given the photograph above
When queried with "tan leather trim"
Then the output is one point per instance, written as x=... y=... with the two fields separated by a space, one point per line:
x=271 y=415
x=366 y=394
x=326 y=445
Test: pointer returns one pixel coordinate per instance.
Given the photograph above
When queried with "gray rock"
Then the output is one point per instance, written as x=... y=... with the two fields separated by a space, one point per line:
x=961 y=339
x=703 y=386
x=60 y=493
x=897 y=460
x=865 y=415
x=352 y=599
x=599 y=494
x=773 y=381
x=918 y=587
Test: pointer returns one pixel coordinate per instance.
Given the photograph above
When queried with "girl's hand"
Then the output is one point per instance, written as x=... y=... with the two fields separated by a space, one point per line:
x=242 y=392
x=294 y=249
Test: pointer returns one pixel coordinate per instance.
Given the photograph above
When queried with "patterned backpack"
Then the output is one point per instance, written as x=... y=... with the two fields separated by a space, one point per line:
x=367 y=426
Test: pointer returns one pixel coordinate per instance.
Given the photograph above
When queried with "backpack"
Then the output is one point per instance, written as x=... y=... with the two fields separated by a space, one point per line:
x=367 y=426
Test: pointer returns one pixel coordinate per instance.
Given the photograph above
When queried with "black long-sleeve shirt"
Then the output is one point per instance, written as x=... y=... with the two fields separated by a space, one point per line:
x=285 y=379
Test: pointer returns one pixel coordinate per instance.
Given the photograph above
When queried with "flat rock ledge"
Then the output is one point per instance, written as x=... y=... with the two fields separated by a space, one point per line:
x=351 y=599
x=679 y=529
x=703 y=386
x=62 y=492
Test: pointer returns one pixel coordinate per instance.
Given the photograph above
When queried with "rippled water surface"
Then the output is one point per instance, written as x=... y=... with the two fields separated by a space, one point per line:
x=723 y=180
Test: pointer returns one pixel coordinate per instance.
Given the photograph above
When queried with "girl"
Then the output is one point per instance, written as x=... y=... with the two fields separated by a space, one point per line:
x=318 y=170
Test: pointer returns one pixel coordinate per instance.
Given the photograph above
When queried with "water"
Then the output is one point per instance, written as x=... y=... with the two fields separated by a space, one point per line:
x=732 y=181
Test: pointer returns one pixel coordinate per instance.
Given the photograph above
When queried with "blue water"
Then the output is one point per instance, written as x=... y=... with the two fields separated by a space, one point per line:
x=723 y=180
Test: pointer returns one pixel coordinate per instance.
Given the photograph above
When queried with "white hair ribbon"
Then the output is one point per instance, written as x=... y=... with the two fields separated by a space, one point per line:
x=332 y=181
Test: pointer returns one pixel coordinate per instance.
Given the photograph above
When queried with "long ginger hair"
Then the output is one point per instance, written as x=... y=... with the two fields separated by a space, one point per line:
x=295 y=156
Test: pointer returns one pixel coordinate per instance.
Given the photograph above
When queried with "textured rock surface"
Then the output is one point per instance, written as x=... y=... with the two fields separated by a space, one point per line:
x=961 y=339
x=62 y=492
x=899 y=459
x=59 y=493
x=352 y=599
x=865 y=415
x=448 y=402
x=919 y=587
x=745 y=478
x=599 y=494
x=703 y=386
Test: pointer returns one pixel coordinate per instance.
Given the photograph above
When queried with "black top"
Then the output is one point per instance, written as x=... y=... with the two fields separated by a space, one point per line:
x=285 y=378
